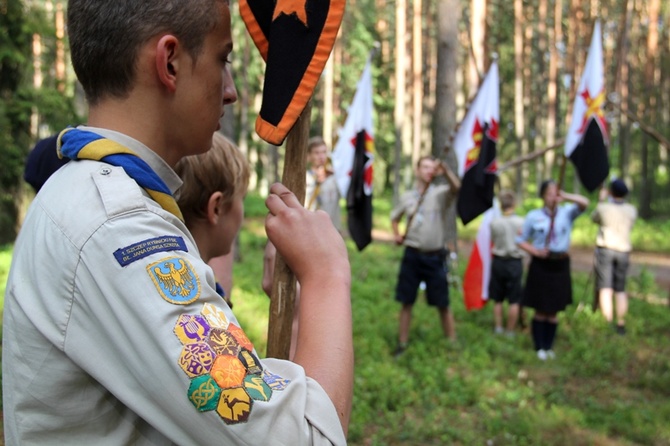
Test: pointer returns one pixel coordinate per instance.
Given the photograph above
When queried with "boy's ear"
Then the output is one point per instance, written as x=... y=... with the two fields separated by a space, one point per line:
x=216 y=208
x=167 y=61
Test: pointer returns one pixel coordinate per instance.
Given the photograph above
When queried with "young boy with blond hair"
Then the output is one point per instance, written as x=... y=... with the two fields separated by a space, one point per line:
x=212 y=198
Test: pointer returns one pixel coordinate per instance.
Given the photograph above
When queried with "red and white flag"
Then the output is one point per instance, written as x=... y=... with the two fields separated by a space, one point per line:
x=586 y=142
x=478 y=272
x=352 y=161
x=475 y=148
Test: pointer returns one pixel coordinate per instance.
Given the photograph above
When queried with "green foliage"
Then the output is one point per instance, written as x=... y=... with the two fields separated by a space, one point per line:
x=19 y=100
x=601 y=389
x=14 y=46
x=5 y=261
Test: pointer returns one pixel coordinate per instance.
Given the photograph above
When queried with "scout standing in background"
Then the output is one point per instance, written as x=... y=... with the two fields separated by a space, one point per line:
x=546 y=237
x=613 y=246
x=321 y=191
x=424 y=259
x=506 y=266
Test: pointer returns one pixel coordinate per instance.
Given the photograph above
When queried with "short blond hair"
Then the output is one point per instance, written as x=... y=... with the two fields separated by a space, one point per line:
x=221 y=169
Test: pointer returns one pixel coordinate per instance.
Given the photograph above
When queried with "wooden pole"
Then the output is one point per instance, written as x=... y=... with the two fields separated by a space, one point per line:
x=530 y=156
x=282 y=300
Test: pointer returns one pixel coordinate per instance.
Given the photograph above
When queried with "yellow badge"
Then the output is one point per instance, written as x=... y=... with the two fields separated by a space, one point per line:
x=175 y=280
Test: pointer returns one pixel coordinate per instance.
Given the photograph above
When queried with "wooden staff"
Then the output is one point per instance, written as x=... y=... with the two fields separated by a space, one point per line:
x=530 y=156
x=282 y=300
x=418 y=205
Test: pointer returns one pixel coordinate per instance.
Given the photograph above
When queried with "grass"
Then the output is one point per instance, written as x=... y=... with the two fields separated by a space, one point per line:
x=602 y=389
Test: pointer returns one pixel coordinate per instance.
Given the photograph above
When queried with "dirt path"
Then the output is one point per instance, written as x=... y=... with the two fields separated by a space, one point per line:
x=582 y=259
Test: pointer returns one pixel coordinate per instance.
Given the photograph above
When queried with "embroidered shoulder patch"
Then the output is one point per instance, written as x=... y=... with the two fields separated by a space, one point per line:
x=136 y=251
x=175 y=280
x=217 y=356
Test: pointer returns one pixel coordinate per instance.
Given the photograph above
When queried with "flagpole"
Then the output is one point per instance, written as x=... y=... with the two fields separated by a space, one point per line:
x=530 y=156
x=284 y=286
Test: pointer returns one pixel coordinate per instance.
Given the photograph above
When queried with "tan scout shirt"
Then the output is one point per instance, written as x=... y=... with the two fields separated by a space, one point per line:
x=504 y=230
x=428 y=228
x=328 y=199
x=114 y=333
x=616 y=223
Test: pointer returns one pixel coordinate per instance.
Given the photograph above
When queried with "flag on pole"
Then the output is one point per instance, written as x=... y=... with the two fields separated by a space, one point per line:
x=475 y=148
x=352 y=161
x=587 y=140
x=478 y=272
x=295 y=39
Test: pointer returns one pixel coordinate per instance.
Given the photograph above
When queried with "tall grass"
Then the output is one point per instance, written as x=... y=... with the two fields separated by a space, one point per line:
x=485 y=389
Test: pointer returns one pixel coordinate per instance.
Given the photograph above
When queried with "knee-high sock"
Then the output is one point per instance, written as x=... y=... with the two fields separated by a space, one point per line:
x=549 y=334
x=537 y=330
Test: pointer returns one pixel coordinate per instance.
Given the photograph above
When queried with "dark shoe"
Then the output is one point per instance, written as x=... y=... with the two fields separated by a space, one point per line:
x=621 y=330
x=399 y=350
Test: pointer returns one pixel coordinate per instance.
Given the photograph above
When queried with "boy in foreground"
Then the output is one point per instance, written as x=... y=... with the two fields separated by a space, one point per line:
x=113 y=330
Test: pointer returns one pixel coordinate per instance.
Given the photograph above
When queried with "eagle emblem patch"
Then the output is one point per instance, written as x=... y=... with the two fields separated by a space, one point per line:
x=175 y=280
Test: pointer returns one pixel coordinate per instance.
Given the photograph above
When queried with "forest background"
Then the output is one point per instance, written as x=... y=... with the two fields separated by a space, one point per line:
x=431 y=57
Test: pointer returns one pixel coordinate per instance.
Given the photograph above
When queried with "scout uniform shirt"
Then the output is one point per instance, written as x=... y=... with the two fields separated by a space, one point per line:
x=114 y=333
x=328 y=198
x=504 y=230
x=537 y=224
x=616 y=222
x=428 y=227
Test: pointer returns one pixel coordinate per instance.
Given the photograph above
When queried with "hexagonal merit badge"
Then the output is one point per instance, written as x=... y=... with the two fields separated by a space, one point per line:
x=175 y=280
x=215 y=316
x=275 y=382
x=191 y=328
x=196 y=359
x=257 y=388
x=204 y=393
x=250 y=361
x=234 y=405
x=228 y=371
x=223 y=342
x=241 y=336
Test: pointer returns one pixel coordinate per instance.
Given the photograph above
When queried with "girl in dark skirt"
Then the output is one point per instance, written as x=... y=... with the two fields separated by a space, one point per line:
x=546 y=237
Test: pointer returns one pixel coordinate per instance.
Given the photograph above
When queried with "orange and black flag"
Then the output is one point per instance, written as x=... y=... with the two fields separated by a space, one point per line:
x=475 y=147
x=587 y=141
x=295 y=38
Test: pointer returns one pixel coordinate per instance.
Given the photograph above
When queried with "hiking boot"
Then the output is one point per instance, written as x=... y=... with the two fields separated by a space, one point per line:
x=621 y=330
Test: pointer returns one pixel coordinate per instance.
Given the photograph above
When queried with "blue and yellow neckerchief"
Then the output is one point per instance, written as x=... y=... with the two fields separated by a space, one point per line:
x=80 y=144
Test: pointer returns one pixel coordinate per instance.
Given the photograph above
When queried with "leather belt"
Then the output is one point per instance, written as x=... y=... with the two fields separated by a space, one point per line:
x=427 y=253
